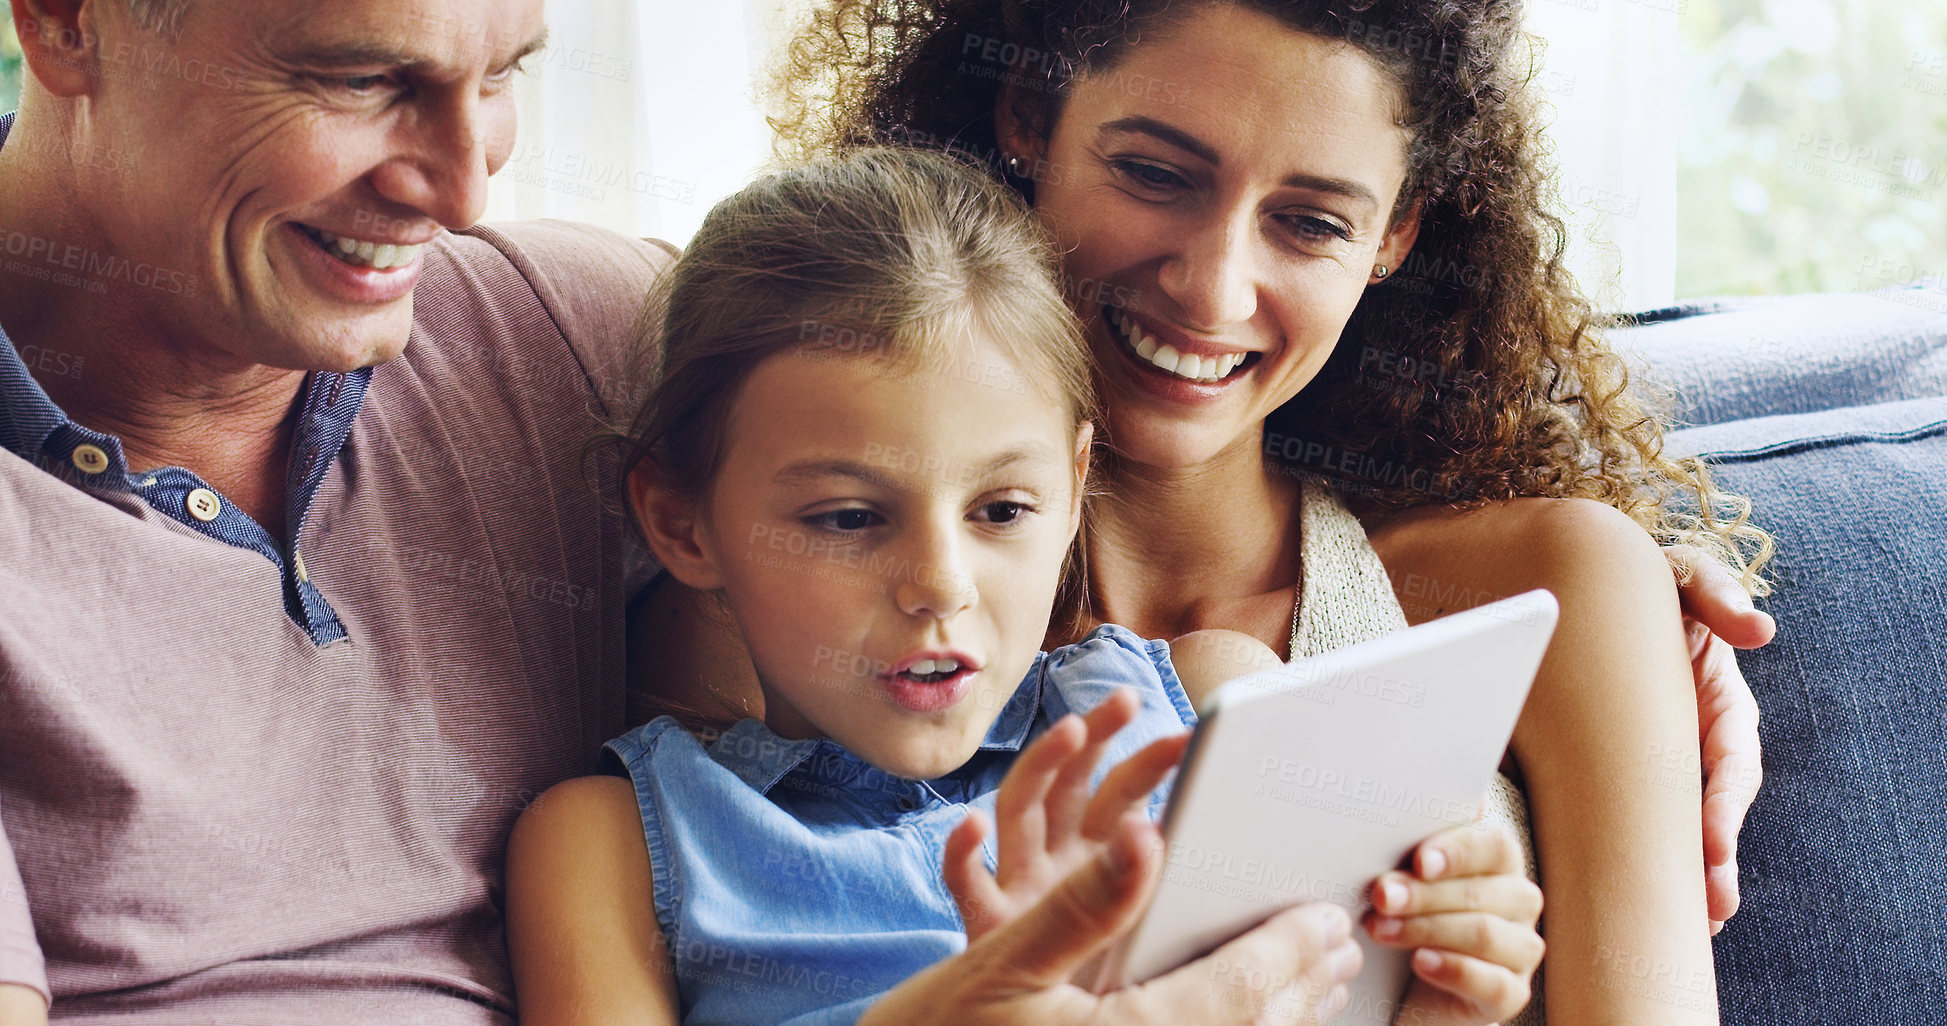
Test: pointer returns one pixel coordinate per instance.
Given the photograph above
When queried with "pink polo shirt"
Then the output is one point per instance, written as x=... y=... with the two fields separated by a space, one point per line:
x=210 y=817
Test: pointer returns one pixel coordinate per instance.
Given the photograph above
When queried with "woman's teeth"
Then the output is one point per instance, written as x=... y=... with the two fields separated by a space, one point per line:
x=1188 y=366
x=377 y=256
x=930 y=670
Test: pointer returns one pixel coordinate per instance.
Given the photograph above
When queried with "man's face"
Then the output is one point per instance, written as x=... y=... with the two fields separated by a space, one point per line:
x=293 y=157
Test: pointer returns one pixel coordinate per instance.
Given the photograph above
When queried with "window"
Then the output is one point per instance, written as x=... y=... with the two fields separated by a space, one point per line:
x=1706 y=146
x=1814 y=149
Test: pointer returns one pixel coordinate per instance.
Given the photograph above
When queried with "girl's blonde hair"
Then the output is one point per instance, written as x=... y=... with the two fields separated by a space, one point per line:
x=896 y=255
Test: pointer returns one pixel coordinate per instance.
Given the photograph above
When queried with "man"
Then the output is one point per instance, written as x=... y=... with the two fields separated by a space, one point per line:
x=296 y=617
x=269 y=717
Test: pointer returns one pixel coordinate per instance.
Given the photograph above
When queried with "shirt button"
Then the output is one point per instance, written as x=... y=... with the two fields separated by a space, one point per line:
x=297 y=560
x=908 y=803
x=89 y=459
x=204 y=505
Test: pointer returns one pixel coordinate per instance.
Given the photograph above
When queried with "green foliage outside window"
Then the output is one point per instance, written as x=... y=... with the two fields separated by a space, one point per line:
x=1814 y=148
x=9 y=61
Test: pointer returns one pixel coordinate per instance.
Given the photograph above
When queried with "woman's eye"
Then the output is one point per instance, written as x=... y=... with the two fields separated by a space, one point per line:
x=1316 y=229
x=845 y=521
x=1147 y=175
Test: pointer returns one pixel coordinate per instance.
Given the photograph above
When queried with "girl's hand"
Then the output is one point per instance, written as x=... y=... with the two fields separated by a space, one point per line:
x=1050 y=826
x=1470 y=914
x=1290 y=970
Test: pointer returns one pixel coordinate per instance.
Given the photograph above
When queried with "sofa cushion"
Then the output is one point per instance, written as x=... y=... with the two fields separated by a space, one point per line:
x=1844 y=857
x=1732 y=359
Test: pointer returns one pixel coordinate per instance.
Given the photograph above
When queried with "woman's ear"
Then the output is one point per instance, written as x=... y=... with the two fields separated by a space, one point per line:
x=1398 y=243
x=672 y=524
x=1018 y=127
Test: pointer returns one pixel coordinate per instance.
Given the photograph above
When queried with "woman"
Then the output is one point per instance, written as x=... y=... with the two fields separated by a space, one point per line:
x=1269 y=210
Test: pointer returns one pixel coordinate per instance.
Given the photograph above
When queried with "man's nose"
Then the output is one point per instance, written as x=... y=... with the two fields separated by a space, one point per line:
x=441 y=165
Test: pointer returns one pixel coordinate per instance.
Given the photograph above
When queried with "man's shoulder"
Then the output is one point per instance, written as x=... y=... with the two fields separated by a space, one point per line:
x=522 y=288
x=583 y=275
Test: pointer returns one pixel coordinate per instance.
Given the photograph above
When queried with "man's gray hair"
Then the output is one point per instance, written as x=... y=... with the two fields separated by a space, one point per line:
x=160 y=16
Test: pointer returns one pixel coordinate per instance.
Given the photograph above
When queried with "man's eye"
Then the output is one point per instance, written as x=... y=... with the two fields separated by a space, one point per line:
x=360 y=83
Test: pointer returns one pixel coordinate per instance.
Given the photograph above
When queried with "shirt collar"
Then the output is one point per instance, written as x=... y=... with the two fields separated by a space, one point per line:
x=761 y=758
x=27 y=415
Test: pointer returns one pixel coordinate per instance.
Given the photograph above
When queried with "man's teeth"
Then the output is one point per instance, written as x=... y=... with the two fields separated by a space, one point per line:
x=378 y=256
x=928 y=667
x=1188 y=366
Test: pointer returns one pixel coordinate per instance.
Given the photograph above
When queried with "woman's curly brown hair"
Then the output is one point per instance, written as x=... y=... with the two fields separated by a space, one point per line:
x=1510 y=392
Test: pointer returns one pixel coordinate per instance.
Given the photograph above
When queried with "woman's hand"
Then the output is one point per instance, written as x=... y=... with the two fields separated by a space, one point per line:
x=1469 y=914
x=1050 y=826
x=1718 y=617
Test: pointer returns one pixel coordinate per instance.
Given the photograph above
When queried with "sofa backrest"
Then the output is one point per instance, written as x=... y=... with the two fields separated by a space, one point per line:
x=1842 y=868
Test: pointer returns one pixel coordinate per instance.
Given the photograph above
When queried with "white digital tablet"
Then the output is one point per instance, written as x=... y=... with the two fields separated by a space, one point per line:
x=1305 y=782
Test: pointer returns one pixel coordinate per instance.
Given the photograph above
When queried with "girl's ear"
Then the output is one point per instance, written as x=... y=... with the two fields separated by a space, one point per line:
x=1084 y=454
x=673 y=527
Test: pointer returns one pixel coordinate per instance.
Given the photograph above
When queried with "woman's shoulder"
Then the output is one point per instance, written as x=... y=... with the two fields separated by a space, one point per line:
x=1443 y=559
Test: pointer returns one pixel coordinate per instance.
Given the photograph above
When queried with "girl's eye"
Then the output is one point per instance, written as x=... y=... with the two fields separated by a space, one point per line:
x=1004 y=512
x=845 y=521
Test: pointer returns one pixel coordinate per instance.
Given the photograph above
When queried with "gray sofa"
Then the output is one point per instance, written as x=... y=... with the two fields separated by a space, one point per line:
x=1830 y=413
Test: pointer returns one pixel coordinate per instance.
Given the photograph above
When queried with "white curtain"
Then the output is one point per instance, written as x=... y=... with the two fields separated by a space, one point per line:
x=640 y=115
x=1611 y=71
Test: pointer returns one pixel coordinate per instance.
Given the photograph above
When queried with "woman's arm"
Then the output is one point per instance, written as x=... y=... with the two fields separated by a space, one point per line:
x=581 y=921
x=1606 y=743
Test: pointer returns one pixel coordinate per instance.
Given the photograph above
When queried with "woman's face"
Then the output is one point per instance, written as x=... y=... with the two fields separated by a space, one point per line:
x=1222 y=195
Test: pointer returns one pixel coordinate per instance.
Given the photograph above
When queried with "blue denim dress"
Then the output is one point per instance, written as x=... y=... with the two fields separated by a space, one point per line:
x=795 y=883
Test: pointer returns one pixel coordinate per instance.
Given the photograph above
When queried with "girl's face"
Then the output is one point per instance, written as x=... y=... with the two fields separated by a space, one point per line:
x=1222 y=195
x=890 y=539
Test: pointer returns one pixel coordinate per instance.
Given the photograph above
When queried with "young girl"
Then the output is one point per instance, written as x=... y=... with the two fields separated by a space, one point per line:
x=870 y=440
